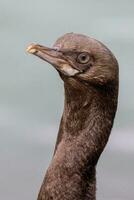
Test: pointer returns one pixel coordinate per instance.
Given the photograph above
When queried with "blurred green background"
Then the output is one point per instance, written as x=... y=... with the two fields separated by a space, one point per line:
x=31 y=92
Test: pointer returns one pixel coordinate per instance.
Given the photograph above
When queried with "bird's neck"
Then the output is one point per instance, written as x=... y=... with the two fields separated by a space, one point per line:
x=84 y=131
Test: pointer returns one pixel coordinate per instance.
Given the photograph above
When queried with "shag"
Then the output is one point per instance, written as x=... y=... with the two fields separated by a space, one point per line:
x=89 y=71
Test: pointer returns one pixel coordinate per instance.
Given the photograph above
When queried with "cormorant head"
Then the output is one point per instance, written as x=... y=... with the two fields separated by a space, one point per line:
x=79 y=57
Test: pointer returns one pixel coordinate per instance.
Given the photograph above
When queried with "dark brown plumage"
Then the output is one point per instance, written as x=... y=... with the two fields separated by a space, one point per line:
x=90 y=74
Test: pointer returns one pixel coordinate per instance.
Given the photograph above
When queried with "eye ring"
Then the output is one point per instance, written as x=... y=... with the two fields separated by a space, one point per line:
x=83 y=58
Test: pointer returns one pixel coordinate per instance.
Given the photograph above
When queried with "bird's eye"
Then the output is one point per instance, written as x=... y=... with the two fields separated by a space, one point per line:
x=83 y=58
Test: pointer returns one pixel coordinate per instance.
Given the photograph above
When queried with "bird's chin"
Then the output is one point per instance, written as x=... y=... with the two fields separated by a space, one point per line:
x=67 y=70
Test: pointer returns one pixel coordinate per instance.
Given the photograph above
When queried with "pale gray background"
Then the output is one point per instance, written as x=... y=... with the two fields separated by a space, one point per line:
x=31 y=93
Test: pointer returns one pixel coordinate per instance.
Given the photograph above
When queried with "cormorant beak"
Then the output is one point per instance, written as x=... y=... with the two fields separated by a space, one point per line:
x=54 y=57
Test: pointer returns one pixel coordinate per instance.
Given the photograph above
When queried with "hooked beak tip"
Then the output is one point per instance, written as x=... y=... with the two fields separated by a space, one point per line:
x=31 y=49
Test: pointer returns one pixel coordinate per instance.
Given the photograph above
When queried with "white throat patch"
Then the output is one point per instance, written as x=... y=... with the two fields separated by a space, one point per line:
x=68 y=70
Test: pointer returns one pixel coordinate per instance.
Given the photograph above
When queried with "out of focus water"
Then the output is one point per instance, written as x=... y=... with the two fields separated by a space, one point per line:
x=31 y=93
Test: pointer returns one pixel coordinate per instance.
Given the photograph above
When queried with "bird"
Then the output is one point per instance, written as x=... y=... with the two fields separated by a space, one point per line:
x=90 y=74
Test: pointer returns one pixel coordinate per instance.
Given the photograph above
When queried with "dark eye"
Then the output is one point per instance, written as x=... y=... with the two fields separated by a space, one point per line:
x=83 y=58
